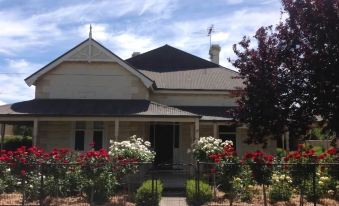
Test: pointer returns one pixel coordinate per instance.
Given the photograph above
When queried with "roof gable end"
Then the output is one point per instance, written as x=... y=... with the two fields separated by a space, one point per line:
x=90 y=51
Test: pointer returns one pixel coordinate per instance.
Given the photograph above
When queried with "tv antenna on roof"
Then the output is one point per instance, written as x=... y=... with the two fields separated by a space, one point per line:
x=210 y=30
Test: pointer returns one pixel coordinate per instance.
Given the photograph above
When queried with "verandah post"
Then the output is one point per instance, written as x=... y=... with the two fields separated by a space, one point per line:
x=2 y=134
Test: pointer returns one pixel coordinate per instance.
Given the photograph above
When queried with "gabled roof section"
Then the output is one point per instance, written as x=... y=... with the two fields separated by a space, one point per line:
x=169 y=59
x=90 y=51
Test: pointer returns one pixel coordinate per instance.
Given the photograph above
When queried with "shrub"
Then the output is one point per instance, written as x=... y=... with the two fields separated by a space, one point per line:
x=281 y=189
x=194 y=198
x=144 y=196
x=301 y=160
x=261 y=167
x=243 y=185
x=227 y=166
x=309 y=193
x=14 y=142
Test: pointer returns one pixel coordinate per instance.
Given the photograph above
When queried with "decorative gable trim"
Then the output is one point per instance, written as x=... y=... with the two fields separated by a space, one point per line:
x=90 y=51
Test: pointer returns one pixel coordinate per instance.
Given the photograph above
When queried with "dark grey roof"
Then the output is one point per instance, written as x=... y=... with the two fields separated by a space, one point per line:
x=217 y=78
x=90 y=107
x=172 y=68
x=167 y=59
x=210 y=113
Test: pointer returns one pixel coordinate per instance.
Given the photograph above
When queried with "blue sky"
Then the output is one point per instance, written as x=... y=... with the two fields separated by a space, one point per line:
x=34 y=32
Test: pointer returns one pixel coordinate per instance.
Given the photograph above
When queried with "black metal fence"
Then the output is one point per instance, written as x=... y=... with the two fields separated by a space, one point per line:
x=306 y=192
x=68 y=184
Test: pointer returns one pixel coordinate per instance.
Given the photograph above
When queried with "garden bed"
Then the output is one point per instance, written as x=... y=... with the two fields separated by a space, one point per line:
x=16 y=199
x=258 y=200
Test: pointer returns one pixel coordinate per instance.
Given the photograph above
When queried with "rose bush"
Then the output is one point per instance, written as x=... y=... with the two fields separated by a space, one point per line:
x=261 y=167
x=281 y=187
x=134 y=148
x=94 y=173
x=302 y=164
x=204 y=147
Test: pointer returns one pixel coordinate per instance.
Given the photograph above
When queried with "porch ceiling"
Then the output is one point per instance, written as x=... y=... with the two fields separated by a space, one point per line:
x=91 y=108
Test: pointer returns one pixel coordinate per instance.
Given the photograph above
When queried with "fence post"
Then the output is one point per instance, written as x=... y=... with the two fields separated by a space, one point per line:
x=156 y=192
x=23 y=191
x=214 y=187
x=41 y=184
x=198 y=178
x=302 y=193
x=152 y=187
x=92 y=195
x=313 y=183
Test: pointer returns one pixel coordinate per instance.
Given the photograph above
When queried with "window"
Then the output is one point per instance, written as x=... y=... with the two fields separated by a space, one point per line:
x=227 y=132
x=79 y=139
x=98 y=135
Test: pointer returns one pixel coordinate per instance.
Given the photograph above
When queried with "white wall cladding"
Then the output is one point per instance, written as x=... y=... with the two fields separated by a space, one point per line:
x=96 y=80
x=55 y=135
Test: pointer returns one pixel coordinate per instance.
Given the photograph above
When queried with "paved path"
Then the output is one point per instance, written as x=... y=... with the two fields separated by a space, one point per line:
x=173 y=201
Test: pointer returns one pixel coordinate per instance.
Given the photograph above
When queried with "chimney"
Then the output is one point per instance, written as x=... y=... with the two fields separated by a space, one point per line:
x=214 y=53
x=135 y=54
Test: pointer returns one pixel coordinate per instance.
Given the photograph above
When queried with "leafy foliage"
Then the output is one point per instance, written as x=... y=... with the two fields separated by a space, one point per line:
x=281 y=188
x=144 y=195
x=198 y=198
x=291 y=72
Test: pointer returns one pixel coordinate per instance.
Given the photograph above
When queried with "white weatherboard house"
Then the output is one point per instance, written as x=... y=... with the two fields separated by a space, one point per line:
x=166 y=96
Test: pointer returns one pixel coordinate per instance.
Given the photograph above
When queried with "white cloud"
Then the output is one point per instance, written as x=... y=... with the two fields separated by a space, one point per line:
x=2 y=103
x=19 y=32
x=126 y=43
x=14 y=87
x=122 y=43
x=230 y=29
x=99 y=31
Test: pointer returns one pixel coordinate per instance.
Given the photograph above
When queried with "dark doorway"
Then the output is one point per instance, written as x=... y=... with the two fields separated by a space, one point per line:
x=162 y=142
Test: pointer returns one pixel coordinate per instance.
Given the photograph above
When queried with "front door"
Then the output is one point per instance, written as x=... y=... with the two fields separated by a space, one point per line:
x=162 y=136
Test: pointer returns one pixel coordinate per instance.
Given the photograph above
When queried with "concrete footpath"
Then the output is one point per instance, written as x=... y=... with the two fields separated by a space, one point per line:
x=173 y=201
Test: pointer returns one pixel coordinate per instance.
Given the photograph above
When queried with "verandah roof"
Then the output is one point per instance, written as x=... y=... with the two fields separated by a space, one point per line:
x=91 y=107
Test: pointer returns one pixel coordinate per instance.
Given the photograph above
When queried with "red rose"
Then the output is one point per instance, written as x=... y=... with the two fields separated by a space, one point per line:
x=322 y=156
x=331 y=151
x=248 y=155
